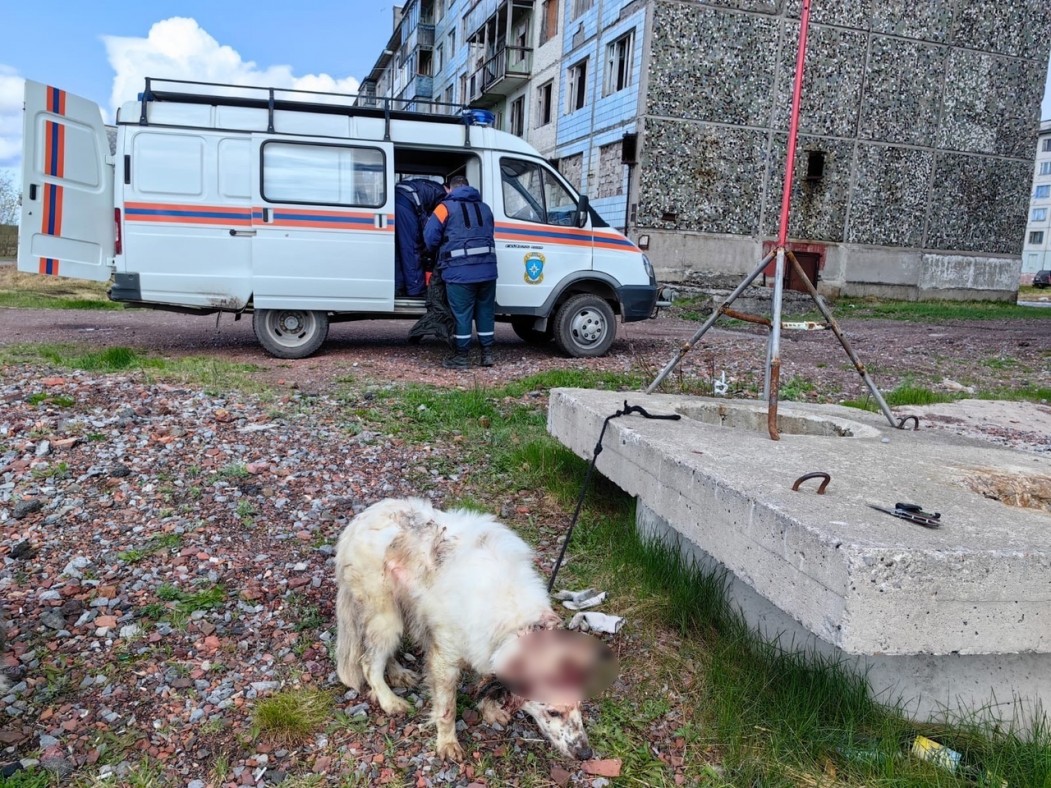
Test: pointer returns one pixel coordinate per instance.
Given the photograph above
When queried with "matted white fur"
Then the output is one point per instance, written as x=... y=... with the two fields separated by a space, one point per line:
x=461 y=585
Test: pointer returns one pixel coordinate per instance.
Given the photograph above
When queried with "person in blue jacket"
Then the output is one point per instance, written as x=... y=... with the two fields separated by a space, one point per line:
x=461 y=232
x=414 y=201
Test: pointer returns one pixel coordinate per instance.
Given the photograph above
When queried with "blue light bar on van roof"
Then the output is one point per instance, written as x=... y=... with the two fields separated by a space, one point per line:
x=479 y=117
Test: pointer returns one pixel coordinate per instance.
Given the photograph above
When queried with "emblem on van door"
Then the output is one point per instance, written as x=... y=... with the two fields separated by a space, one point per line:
x=534 y=268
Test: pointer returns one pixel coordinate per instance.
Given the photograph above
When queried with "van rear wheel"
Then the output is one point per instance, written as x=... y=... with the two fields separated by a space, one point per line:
x=585 y=326
x=523 y=327
x=290 y=333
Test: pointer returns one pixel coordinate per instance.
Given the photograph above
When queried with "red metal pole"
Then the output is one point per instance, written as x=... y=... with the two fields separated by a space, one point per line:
x=773 y=369
x=793 y=128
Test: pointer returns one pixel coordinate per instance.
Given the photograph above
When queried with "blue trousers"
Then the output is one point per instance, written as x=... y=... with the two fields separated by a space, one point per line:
x=475 y=302
x=408 y=273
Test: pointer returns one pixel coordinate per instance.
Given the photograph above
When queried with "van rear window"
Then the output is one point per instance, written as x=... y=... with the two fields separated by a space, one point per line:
x=343 y=175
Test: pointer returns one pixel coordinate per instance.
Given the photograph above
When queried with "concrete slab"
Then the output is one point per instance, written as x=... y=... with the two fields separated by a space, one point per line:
x=949 y=617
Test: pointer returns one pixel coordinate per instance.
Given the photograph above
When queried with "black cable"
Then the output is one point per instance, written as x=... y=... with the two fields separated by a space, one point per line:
x=625 y=411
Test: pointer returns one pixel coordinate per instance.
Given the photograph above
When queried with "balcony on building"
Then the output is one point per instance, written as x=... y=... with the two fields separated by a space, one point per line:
x=500 y=53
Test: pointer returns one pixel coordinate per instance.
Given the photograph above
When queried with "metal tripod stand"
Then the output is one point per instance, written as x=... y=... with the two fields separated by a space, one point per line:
x=780 y=255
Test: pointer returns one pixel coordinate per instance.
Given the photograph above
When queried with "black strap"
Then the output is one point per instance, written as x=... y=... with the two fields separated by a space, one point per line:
x=587 y=478
x=478 y=213
x=466 y=218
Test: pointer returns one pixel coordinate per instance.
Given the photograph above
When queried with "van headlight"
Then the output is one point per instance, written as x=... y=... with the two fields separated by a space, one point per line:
x=648 y=268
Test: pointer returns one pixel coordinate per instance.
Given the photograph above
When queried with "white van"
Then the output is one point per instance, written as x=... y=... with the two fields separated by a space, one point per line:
x=221 y=198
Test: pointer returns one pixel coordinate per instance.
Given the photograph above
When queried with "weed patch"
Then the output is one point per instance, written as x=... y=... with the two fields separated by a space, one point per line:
x=292 y=715
x=214 y=375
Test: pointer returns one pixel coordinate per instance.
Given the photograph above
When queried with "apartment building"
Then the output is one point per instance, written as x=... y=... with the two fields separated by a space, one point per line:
x=1036 y=251
x=918 y=126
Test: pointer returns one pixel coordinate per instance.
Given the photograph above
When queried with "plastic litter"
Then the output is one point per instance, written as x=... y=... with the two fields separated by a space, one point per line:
x=596 y=622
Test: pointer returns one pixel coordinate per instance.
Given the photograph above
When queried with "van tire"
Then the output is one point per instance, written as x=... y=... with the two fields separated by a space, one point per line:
x=290 y=333
x=585 y=326
x=523 y=327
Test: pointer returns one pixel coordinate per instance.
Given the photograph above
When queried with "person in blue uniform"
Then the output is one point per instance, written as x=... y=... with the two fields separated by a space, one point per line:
x=414 y=201
x=461 y=234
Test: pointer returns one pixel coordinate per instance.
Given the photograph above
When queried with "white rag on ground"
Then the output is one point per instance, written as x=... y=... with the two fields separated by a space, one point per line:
x=596 y=622
x=578 y=600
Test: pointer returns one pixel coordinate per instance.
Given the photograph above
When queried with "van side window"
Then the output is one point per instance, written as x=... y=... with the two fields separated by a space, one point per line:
x=168 y=164
x=324 y=175
x=533 y=194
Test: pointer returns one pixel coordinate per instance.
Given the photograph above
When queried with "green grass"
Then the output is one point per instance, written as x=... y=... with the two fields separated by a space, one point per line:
x=910 y=394
x=187 y=603
x=156 y=544
x=33 y=291
x=768 y=713
x=930 y=311
x=292 y=715
x=774 y=713
x=214 y=375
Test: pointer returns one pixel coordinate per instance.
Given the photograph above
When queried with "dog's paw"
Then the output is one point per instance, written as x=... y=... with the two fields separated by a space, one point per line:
x=494 y=714
x=401 y=676
x=393 y=706
x=450 y=751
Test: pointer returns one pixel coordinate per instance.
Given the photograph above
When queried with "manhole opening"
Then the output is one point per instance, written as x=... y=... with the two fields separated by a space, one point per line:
x=741 y=418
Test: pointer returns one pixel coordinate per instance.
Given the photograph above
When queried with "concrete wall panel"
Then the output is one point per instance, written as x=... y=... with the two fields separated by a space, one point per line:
x=712 y=65
x=903 y=94
x=888 y=205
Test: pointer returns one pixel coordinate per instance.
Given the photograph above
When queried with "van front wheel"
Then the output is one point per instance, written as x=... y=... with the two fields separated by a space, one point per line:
x=585 y=326
x=290 y=333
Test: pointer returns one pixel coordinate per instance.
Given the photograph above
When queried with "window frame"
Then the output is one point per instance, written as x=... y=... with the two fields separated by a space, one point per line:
x=1042 y=215
x=262 y=174
x=576 y=82
x=1046 y=145
x=548 y=31
x=544 y=111
x=516 y=117
x=1044 y=194
x=1038 y=240
x=1045 y=168
x=546 y=171
x=612 y=63
x=581 y=7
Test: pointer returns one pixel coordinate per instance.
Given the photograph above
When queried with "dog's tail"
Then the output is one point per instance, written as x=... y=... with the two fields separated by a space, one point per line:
x=348 y=640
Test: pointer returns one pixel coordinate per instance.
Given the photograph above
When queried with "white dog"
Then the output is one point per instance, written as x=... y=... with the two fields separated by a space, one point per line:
x=463 y=587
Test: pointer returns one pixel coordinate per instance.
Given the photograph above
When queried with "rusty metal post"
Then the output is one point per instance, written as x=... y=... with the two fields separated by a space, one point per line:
x=688 y=346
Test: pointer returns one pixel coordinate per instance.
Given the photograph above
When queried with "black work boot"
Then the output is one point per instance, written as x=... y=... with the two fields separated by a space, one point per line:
x=458 y=360
x=487 y=357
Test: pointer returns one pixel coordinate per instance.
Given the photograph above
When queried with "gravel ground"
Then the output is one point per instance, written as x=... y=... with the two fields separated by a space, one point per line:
x=118 y=508
x=120 y=499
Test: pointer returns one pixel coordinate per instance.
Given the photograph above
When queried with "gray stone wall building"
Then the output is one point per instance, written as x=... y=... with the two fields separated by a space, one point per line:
x=917 y=137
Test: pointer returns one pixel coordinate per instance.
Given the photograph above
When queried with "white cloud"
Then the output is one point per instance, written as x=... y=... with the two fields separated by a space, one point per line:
x=10 y=116
x=179 y=48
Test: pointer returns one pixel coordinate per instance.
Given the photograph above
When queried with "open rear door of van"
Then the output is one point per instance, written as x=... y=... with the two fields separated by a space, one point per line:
x=68 y=223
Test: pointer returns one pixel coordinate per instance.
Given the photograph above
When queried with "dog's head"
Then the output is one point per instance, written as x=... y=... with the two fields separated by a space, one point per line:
x=549 y=674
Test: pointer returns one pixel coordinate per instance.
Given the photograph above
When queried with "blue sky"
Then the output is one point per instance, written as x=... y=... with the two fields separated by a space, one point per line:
x=102 y=50
x=92 y=49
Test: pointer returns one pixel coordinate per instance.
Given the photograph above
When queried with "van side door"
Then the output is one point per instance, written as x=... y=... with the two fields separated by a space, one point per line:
x=537 y=239
x=323 y=217
x=187 y=204
x=67 y=221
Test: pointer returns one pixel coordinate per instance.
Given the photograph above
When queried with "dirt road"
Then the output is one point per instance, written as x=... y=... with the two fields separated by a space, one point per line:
x=985 y=354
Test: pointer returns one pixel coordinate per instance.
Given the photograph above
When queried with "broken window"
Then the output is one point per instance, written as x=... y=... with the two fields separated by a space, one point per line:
x=619 y=55
x=576 y=92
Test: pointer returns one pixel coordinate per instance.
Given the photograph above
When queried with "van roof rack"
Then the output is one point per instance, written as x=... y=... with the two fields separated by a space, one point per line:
x=271 y=99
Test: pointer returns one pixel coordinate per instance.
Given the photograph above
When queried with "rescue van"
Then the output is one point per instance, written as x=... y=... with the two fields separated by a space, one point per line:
x=210 y=198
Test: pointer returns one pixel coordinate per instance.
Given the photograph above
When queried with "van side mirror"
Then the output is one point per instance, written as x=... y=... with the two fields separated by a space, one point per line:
x=583 y=210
